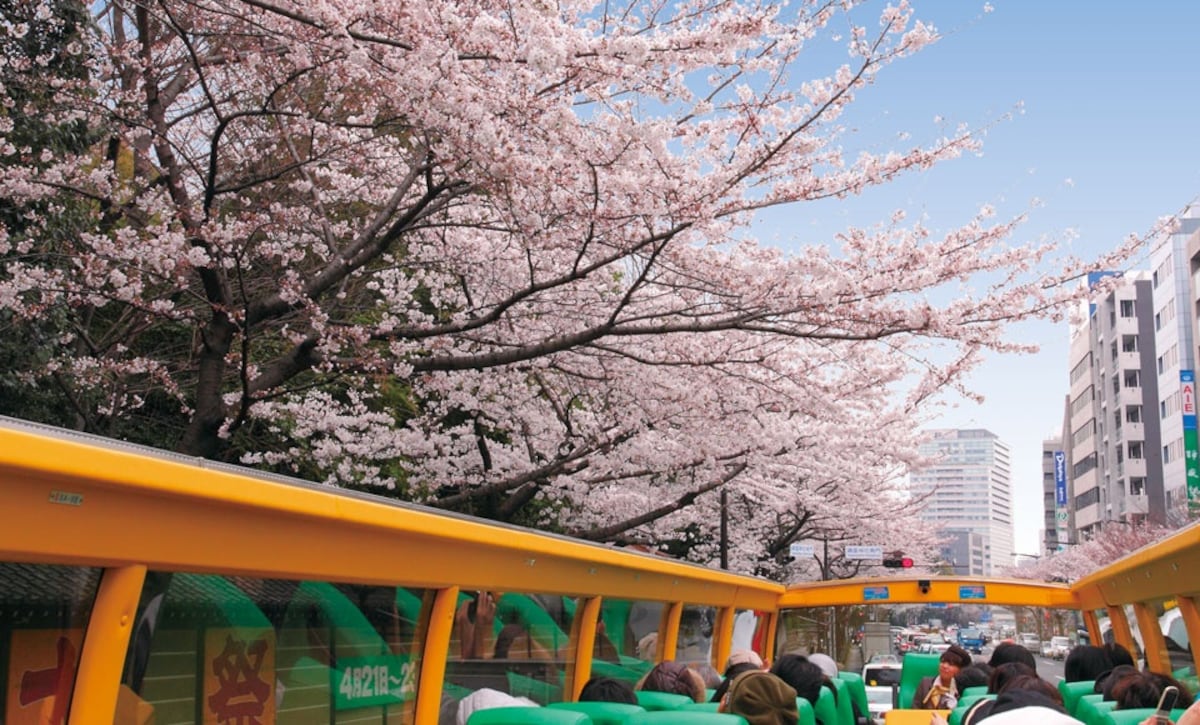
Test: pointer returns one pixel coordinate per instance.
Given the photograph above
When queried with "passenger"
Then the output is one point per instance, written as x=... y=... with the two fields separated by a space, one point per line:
x=828 y=667
x=647 y=647
x=485 y=699
x=673 y=677
x=976 y=675
x=761 y=699
x=941 y=692
x=740 y=661
x=474 y=622
x=708 y=674
x=1006 y=672
x=805 y=677
x=1086 y=662
x=997 y=683
x=1142 y=689
x=1106 y=681
x=1011 y=652
x=1119 y=655
x=1020 y=706
x=607 y=689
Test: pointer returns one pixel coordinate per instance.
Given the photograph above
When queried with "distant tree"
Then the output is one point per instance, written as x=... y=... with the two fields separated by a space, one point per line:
x=1114 y=541
x=495 y=256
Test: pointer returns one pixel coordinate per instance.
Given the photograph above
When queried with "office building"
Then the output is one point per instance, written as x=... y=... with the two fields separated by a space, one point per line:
x=968 y=488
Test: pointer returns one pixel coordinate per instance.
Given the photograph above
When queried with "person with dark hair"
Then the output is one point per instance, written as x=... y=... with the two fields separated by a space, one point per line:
x=974 y=675
x=1142 y=689
x=674 y=677
x=1012 y=652
x=607 y=689
x=803 y=676
x=1107 y=680
x=1024 y=705
x=1086 y=662
x=761 y=698
x=1118 y=654
x=1006 y=672
x=941 y=692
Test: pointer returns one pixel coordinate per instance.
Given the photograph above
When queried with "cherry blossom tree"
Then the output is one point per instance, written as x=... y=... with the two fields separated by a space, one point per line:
x=497 y=257
x=1113 y=541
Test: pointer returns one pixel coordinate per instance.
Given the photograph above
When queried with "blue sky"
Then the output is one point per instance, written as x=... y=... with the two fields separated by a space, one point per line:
x=1106 y=140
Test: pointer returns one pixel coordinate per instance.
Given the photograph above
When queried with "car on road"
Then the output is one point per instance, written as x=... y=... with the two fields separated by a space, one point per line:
x=971 y=639
x=1056 y=648
x=1030 y=641
x=882 y=679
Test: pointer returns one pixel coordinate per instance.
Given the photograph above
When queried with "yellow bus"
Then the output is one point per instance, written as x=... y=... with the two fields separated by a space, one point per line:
x=138 y=586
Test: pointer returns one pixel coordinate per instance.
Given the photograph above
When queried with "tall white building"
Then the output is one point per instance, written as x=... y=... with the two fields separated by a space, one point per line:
x=968 y=492
x=1111 y=436
x=1175 y=315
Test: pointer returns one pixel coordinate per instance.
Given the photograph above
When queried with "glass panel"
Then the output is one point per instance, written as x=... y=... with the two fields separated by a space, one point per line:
x=631 y=631
x=749 y=629
x=694 y=647
x=209 y=648
x=515 y=643
x=43 y=612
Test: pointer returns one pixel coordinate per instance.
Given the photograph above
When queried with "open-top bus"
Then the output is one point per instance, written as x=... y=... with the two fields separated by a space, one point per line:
x=143 y=587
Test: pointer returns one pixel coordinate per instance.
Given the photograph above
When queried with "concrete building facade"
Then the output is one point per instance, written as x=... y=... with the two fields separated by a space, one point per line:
x=968 y=490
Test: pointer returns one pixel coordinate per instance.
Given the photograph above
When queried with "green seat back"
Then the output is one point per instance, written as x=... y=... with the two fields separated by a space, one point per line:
x=527 y=716
x=1135 y=715
x=601 y=713
x=684 y=717
x=701 y=707
x=976 y=690
x=858 y=690
x=964 y=704
x=807 y=715
x=540 y=692
x=653 y=701
x=826 y=708
x=1093 y=710
x=845 y=711
x=916 y=666
x=1072 y=691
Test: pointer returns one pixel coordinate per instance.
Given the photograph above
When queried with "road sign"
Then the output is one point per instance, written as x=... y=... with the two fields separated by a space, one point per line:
x=864 y=552
x=798 y=550
x=874 y=594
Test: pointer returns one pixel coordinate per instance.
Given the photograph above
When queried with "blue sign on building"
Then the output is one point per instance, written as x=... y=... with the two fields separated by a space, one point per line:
x=1060 y=479
x=973 y=591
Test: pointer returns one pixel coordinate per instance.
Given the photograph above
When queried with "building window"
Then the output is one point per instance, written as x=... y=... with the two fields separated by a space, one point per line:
x=1127 y=308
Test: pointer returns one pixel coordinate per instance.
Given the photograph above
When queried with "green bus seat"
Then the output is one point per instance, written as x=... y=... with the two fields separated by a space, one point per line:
x=845 y=710
x=601 y=713
x=684 y=717
x=1093 y=710
x=701 y=707
x=916 y=667
x=964 y=704
x=826 y=708
x=858 y=690
x=527 y=716
x=1135 y=715
x=1072 y=691
x=807 y=715
x=654 y=701
x=975 y=690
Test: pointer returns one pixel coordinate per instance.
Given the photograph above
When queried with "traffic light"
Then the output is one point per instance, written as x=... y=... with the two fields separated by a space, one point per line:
x=903 y=562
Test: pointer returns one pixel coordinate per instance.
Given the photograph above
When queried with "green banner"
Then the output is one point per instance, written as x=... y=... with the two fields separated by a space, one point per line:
x=1191 y=453
x=367 y=681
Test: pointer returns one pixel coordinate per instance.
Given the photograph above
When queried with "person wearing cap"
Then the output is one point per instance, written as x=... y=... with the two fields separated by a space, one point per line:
x=741 y=660
x=761 y=699
x=941 y=692
x=675 y=678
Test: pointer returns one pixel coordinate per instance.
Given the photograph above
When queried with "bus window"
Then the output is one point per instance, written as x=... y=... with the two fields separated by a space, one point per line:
x=43 y=611
x=209 y=648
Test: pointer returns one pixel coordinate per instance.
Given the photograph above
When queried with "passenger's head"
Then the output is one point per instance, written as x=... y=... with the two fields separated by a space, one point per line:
x=607 y=689
x=731 y=672
x=676 y=678
x=762 y=699
x=485 y=699
x=1010 y=652
x=1033 y=683
x=1108 y=680
x=828 y=667
x=976 y=675
x=1142 y=689
x=1006 y=672
x=953 y=661
x=740 y=657
x=1118 y=654
x=1086 y=662
x=804 y=677
x=1022 y=706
